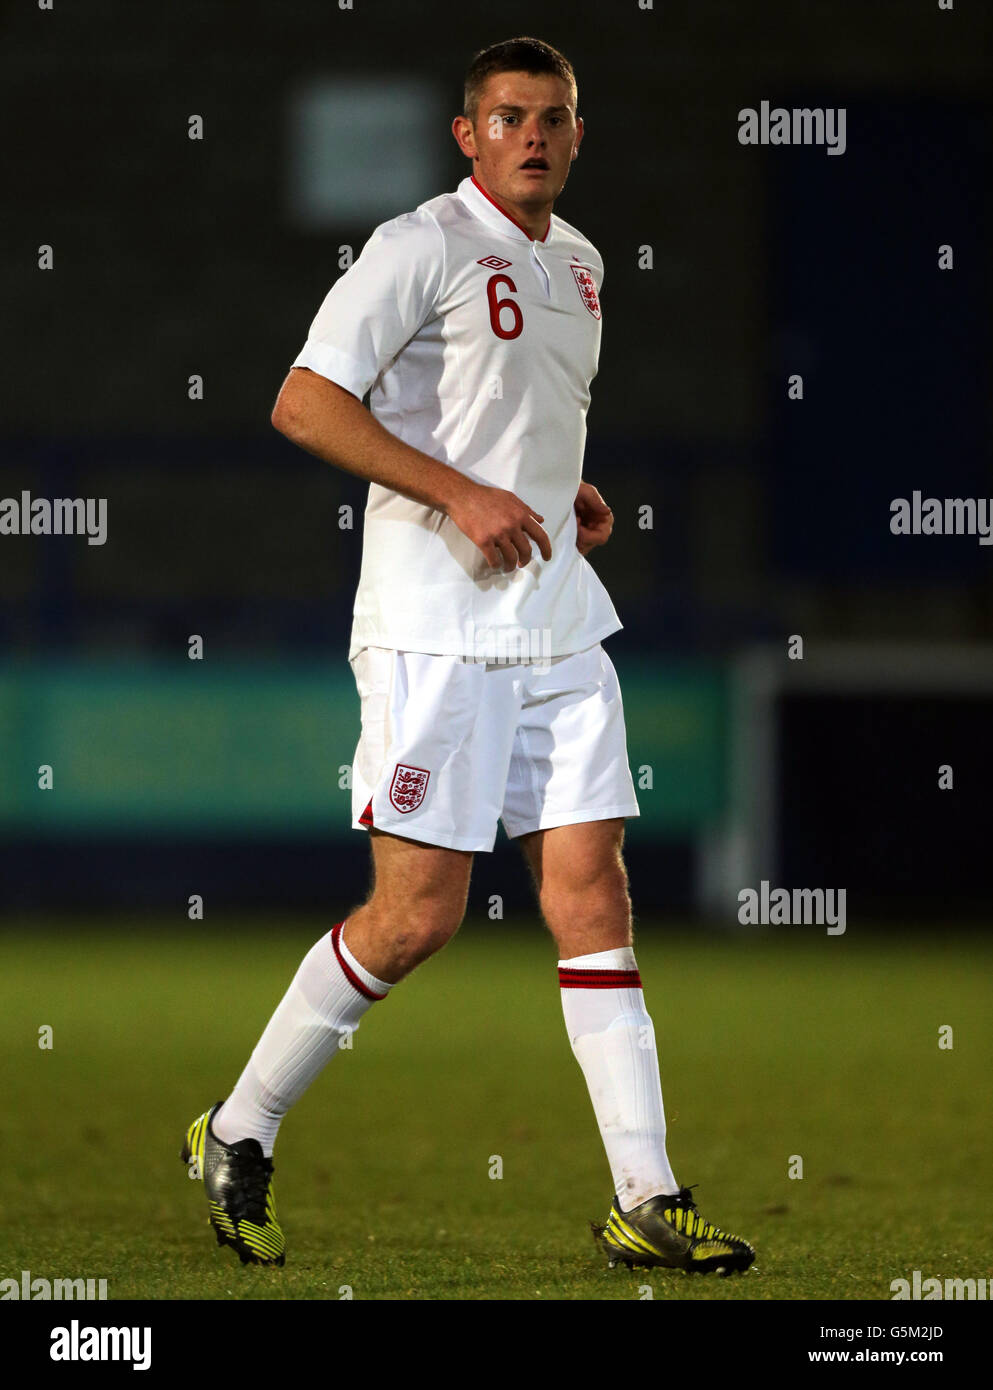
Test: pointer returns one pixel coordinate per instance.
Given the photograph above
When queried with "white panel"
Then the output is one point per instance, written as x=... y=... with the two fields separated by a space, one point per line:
x=363 y=149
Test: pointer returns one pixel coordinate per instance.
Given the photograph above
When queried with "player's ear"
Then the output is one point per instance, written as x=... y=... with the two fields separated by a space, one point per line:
x=579 y=136
x=464 y=137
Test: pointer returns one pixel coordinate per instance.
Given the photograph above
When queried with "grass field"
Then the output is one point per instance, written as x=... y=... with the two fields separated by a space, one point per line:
x=806 y=1045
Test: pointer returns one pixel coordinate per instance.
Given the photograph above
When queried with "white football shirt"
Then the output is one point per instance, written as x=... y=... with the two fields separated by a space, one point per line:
x=478 y=345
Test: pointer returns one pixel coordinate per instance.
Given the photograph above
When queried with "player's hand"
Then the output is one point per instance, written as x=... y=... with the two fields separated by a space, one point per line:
x=595 y=519
x=500 y=524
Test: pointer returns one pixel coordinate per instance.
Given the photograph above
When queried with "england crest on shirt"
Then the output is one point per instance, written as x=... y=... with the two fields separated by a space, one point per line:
x=587 y=288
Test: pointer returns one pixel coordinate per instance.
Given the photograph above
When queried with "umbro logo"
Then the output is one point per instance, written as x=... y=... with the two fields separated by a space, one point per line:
x=493 y=263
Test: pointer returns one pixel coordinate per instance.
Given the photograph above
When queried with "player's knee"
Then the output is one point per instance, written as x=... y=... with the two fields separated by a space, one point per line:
x=589 y=889
x=591 y=916
x=422 y=921
x=424 y=933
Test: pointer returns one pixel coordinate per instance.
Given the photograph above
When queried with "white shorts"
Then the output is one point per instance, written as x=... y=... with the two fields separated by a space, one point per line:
x=450 y=746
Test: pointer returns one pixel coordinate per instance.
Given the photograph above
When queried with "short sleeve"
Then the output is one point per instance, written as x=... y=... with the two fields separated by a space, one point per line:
x=379 y=303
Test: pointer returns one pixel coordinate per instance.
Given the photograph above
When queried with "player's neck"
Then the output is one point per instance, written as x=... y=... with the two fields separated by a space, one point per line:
x=534 y=222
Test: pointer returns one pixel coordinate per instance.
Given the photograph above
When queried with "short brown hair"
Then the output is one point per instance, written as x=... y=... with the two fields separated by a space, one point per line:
x=514 y=55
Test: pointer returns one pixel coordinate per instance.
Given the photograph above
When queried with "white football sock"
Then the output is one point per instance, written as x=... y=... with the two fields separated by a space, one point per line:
x=329 y=994
x=614 y=1042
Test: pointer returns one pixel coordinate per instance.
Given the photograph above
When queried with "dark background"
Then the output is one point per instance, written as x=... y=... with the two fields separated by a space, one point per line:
x=175 y=257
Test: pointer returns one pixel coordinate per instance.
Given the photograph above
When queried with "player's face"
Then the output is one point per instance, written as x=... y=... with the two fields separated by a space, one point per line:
x=525 y=137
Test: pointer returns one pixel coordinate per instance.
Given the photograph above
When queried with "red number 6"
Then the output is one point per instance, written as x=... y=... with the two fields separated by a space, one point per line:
x=496 y=305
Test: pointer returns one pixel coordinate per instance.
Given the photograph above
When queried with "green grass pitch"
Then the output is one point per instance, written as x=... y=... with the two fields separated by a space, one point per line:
x=799 y=1044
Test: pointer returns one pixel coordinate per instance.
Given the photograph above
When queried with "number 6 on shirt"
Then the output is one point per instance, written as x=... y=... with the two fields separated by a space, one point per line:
x=496 y=305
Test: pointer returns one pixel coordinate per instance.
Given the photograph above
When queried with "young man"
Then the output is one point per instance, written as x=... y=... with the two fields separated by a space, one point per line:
x=485 y=693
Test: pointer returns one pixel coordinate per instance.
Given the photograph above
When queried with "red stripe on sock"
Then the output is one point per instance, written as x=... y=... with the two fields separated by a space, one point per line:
x=599 y=979
x=349 y=973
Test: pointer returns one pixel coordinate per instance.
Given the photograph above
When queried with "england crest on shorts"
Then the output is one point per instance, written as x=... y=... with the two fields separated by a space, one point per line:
x=408 y=787
x=587 y=288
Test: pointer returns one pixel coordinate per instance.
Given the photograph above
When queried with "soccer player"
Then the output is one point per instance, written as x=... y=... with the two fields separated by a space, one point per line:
x=485 y=693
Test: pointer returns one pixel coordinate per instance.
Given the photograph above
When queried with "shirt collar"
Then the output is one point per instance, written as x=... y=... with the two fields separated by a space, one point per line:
x=479 y=202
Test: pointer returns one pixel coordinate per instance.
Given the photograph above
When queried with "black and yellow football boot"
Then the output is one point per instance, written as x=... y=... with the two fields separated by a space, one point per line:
x=238 y=1179
x=670 y=1232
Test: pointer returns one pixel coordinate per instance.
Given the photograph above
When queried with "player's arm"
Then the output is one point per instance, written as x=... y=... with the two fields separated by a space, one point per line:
x=326 y=420
x=594 y=519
